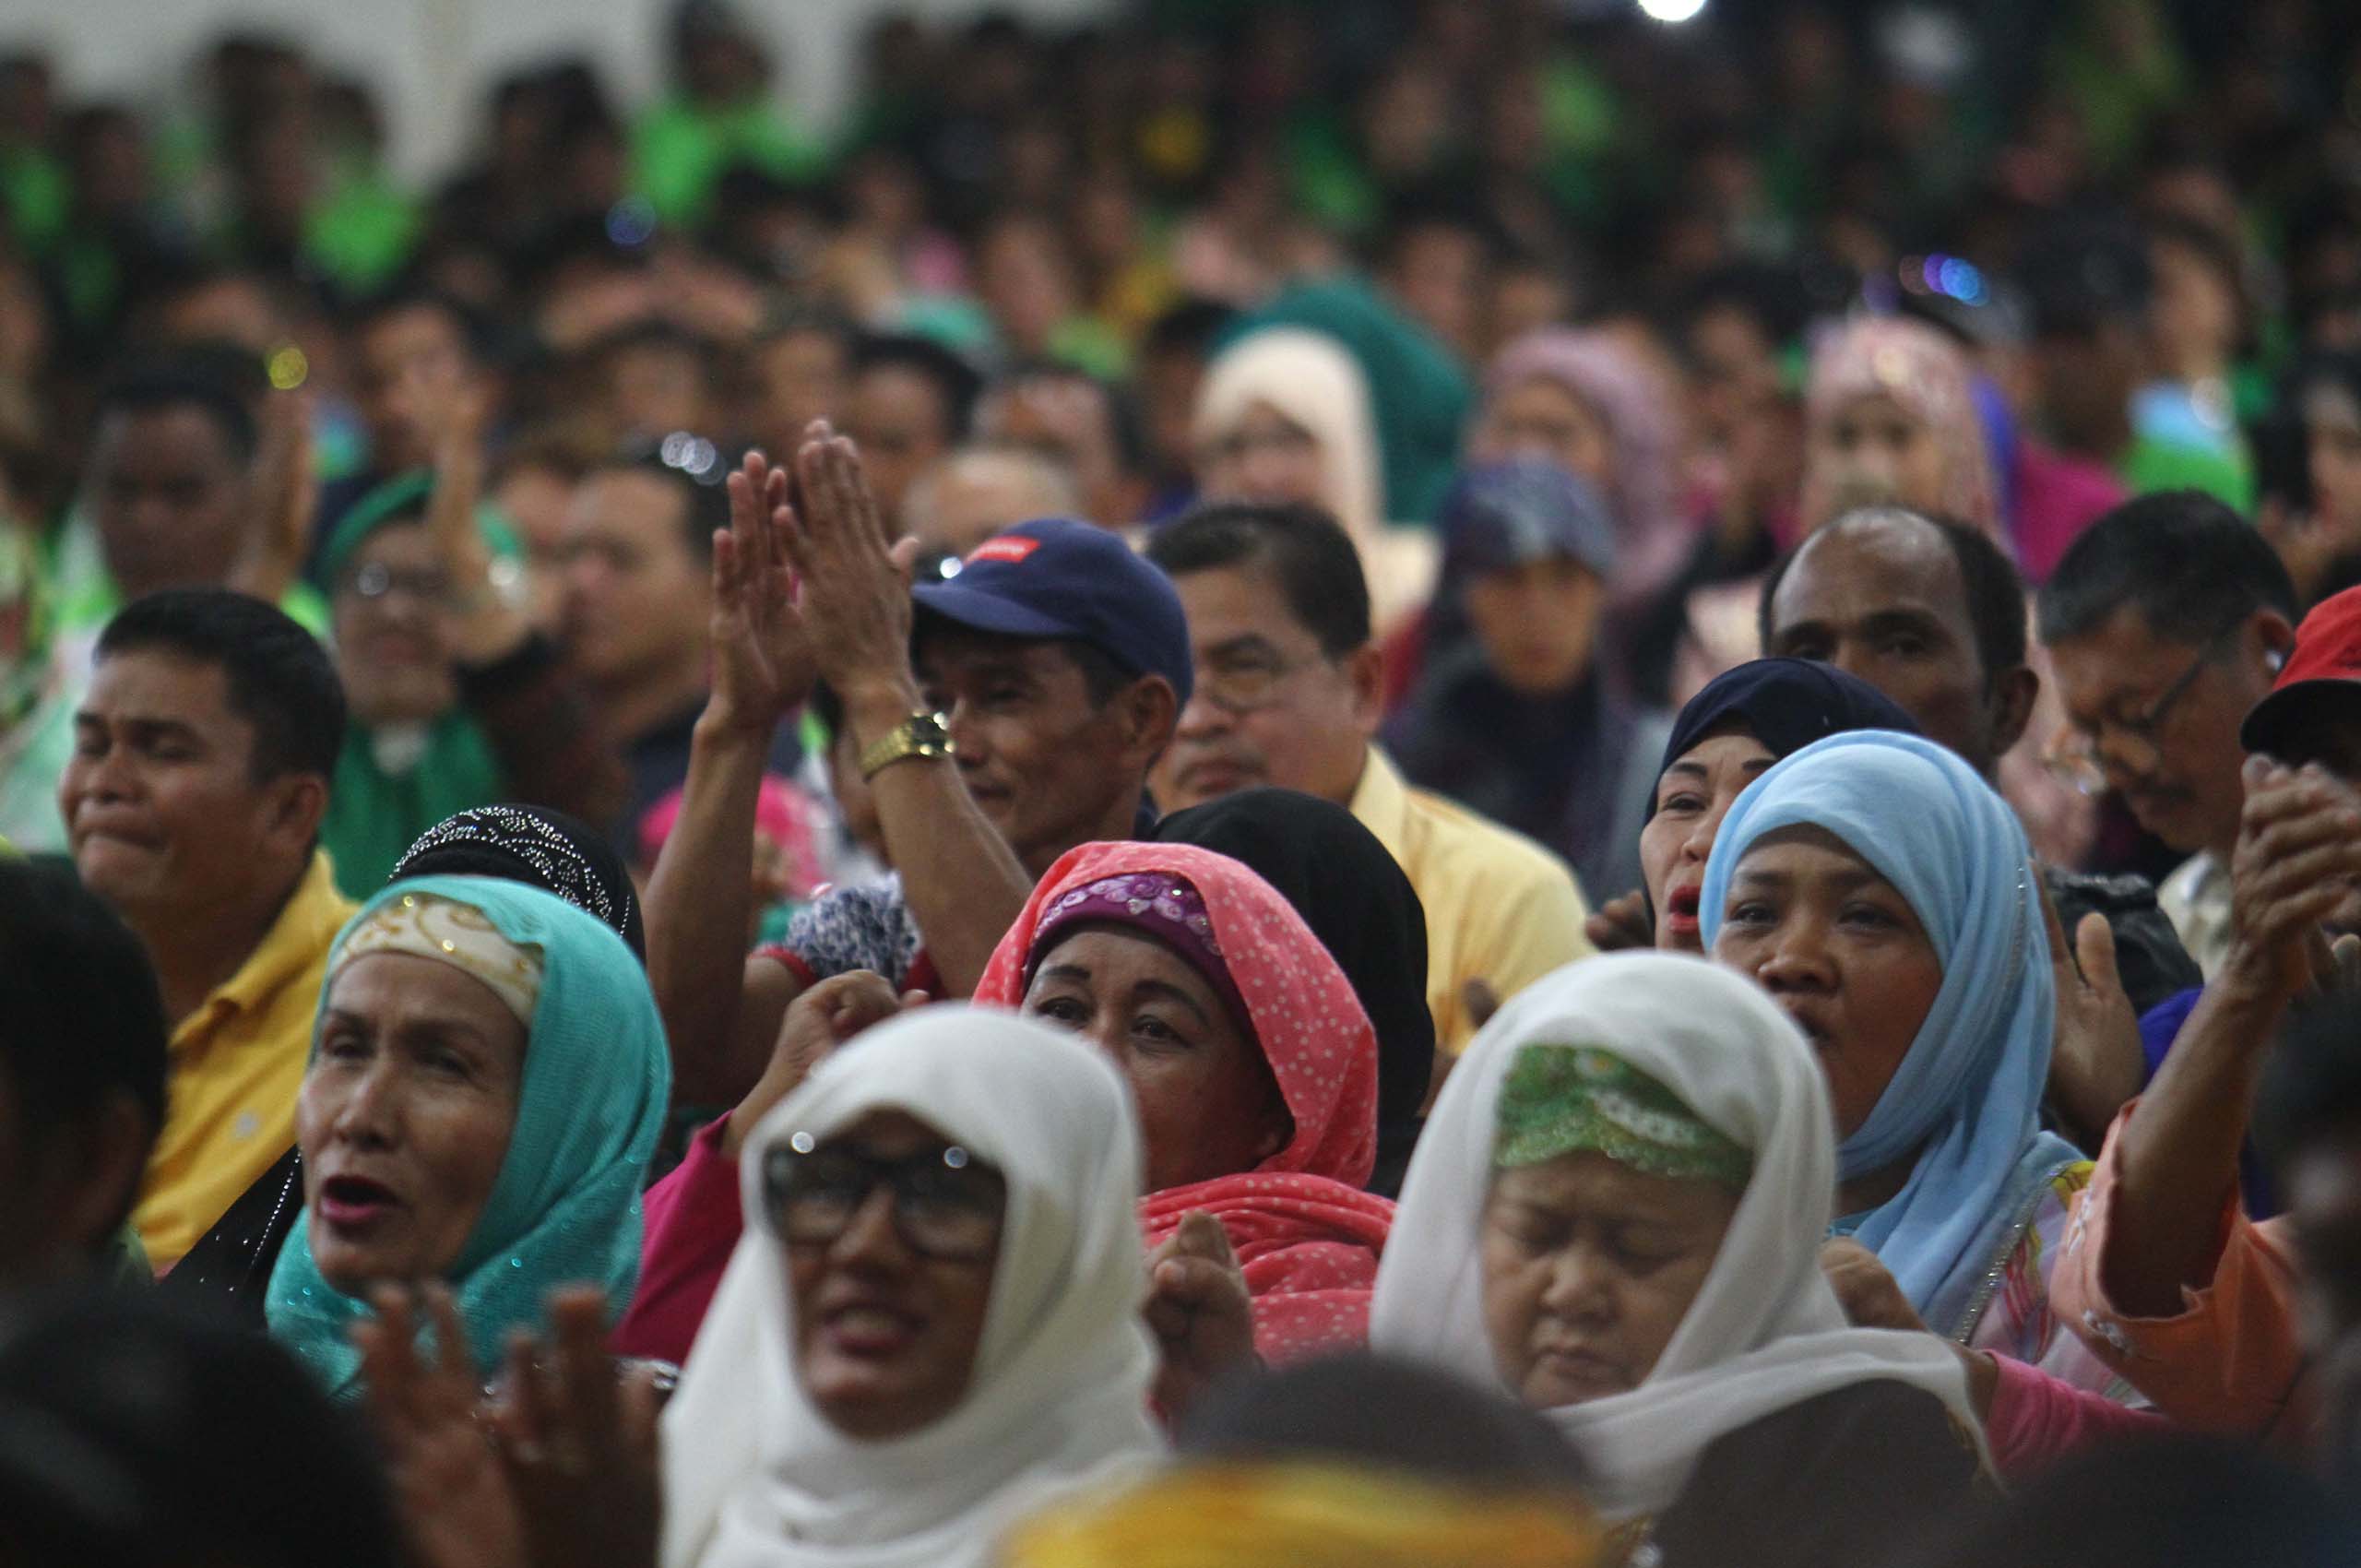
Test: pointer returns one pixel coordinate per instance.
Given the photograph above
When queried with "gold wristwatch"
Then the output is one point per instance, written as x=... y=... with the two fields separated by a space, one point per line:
x=919 y=735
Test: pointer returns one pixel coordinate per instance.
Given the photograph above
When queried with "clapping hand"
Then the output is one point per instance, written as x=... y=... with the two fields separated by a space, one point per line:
x=816 y=1022
x=763 y=665
x=856 y=603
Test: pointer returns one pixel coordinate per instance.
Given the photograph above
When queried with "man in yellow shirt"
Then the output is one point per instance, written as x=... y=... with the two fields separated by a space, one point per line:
x=1286 y=693
x=202 y=755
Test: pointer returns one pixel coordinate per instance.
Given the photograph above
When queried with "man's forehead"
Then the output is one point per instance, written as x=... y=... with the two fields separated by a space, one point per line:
x=944 y=645
x=1871 y=565
x=157 y=686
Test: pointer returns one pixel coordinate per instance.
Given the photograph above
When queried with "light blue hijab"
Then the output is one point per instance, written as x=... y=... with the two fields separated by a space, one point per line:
x=564 y=1208
x=1969 y=1089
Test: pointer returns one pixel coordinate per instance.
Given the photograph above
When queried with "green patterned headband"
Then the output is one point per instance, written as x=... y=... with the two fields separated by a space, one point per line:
x=1581 y=1099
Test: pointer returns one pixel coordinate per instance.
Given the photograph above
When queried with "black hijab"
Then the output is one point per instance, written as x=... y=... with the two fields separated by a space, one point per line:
x=1787 y=704
x=1356 y=899
x=538 y=846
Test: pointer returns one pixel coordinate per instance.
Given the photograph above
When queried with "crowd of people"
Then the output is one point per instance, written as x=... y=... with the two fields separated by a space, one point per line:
x=1383 y=782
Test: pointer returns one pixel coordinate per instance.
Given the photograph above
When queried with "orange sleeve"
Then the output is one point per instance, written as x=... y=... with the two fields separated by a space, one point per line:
x=2231 y=1360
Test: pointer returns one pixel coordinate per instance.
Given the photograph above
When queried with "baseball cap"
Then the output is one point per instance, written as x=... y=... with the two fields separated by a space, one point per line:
x=1503 y=515
x=2323 y=671
x=1059 y=579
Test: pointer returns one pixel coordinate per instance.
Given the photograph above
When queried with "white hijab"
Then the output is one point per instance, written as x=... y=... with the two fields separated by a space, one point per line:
x=755 y=1477
x=1765 y=1331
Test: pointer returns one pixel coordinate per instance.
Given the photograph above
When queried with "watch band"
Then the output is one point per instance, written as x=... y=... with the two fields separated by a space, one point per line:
x=919 y=735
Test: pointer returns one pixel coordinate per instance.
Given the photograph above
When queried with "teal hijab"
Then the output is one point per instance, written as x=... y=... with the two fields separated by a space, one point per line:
x=564 y=1208
x=1967 y=1094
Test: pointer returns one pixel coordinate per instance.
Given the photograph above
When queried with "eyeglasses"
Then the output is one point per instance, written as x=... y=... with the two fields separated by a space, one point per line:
x=2072 y=754
x=1247 y=685
x=947 y=1205
x=376 y=580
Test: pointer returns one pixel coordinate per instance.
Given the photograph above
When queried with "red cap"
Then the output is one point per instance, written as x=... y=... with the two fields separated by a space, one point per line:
x=2326 y=660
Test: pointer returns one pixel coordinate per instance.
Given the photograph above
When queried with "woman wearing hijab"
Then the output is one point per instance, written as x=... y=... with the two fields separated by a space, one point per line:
x=1723 y=741
x=933 y=1329
x=1526 y=719
x=530 y=845
x=487 y=1083
x=1253 y=1065
x=1616 y=1215
x=1883 y=895
x=1284 y=415
x=1355 y=897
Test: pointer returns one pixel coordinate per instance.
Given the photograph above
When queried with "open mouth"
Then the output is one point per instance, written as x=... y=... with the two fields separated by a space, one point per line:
x=354 y=1200
x=1680 y=906
x=870 y=1329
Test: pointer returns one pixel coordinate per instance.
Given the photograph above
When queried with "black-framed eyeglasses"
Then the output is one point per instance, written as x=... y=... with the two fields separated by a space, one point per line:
x=2074 y=756
x=947 y=1203
x=375 y=580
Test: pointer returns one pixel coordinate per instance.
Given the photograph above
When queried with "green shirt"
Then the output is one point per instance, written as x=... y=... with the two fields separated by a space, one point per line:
x=2151 y=464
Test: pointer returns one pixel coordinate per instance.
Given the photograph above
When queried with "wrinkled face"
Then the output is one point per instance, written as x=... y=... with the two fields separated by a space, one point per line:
x=1871 y=451
x=160 y=802
x=1692 y=797
x=1538 y=623
x=2332 y=440
x=1839 y=947
x=1039 y=757
x=799 y=377
x=897 y=419
x=1589 y=1267
x=1267 y=457
x=885 y=1339
x=2178 y=771
x=635 y=596
x=404 y=1118
x=1881 y=597
x=1208 y=1105
x=170 y=498
x=409 y=367
x=1539 y=417
x=393 y=629
x=1269 y=707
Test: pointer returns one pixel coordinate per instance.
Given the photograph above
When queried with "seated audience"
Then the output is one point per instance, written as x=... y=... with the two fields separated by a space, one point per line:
x=200 y=778
x=910 y=404
x=487 y=1085
x=2165 y=623
x=1286 y=696
x=1882 y=893
x=1525 y=719
x=1349 y=891
x=977 y=491
x=1615 y=1215
x=82 y=1072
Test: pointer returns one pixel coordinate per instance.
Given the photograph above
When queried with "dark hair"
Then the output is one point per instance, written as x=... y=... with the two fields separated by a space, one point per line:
x=2084 y=273
x=84 y=1019
x=2311 y=1081
x=184 y=382
x=2191 y=566
x=808 y=321
x=695 y=468
x=279 y=677
x=1189 y=327
x=410 y=294
x=1318 y=570
x=955 y=381
x=1994 y=589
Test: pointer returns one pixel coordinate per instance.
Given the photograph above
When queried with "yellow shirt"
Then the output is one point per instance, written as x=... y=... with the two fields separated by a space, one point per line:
x=1499 y=908
x=236 y=1064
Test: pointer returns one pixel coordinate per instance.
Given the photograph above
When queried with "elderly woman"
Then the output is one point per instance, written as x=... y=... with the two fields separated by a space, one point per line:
x=1284 y=415
x=1883 y=895
x=1725 y=739
x=1252 y=1063
x=487 y=1083
x=1253 y=1066
x=1616 y=1215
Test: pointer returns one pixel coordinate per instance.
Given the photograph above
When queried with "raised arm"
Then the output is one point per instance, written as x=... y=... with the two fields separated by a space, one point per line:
x=698 y=894
x=2299 y=850
x=964 y=885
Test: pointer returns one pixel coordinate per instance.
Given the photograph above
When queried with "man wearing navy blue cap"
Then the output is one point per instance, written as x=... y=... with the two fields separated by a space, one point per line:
x=1000 y=718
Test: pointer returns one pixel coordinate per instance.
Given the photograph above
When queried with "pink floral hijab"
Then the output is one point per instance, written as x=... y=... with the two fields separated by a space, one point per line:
x=1922 y=371
x=1307 y=1234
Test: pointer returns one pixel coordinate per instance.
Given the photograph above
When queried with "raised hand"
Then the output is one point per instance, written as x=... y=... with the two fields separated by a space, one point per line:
x=816 y=1022
x=455 y=1500
x=2297 y=860
x=578 y=1442
x=275 y=551
x=1200 y=1311
x=856 y=602
x=489 y=625
x=2098 y=1065
x=1620 y=924
x=763 y=664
